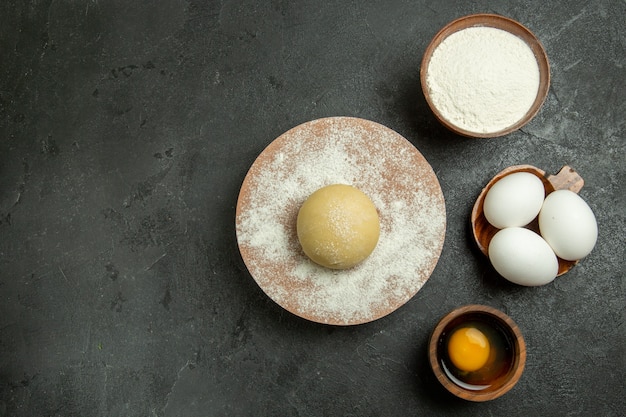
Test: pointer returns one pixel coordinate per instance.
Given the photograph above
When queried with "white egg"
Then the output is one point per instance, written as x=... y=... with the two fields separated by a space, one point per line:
x=523 y=257
x=569 y=226
x=514 y=200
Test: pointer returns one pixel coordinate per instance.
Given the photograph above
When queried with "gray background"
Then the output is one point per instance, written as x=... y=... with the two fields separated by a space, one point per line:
x=126 y=129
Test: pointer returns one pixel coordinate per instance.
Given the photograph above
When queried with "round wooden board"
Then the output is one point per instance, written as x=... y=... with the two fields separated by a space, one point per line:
x=382 y=164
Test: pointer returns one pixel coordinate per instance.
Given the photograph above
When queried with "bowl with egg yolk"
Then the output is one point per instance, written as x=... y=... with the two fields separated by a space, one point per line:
x=477 y=352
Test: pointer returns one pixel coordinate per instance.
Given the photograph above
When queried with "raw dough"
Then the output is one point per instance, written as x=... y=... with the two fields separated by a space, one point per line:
x=338 y=226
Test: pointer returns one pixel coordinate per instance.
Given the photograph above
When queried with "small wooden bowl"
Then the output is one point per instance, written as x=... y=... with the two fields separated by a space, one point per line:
x=483 y=231
x=503 y=383
x=498 y=22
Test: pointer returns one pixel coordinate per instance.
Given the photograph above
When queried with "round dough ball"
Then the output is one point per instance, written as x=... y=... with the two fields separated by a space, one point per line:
x=338 y=226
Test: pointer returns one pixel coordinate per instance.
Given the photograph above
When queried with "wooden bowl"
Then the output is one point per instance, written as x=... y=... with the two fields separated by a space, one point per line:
x=516 y=355
x=498 y=22
x=483 y=231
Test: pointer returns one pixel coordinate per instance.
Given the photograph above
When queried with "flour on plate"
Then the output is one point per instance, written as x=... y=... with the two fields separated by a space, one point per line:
x=382 y=164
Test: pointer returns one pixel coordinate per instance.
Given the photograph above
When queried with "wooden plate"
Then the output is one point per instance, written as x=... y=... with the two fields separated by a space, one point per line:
x=382 y=164
x=566 y=179
x=498 y=22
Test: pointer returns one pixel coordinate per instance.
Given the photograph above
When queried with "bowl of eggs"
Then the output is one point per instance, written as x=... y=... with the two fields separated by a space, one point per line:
x=533 y=226
x=484 y=75
x=477 y=353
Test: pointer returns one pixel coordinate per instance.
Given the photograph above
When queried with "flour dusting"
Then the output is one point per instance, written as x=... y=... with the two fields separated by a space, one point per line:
x=383 y=165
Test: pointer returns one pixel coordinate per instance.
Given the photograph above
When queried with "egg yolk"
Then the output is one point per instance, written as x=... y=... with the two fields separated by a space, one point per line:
x=468 y=349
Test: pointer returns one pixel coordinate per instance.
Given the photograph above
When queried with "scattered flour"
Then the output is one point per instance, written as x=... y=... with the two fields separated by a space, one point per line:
x=383 y=165
x=483 y=79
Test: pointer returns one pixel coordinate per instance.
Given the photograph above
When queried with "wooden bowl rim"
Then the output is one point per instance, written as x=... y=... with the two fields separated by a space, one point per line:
x=519 y=356
x=498 y=22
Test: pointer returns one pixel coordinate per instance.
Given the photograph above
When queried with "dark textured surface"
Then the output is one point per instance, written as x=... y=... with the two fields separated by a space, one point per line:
x=126 y=129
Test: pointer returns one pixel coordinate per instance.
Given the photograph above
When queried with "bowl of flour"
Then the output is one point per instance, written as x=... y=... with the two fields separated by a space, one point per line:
x=485 y=75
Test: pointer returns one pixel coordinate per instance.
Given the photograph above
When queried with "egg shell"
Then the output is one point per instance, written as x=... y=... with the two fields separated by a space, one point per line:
x=514 y=200
x=523 y=257
x=568 y=224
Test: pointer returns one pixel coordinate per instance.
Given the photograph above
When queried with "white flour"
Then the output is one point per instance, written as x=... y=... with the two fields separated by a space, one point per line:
x=483 y=79
x=385 y=167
